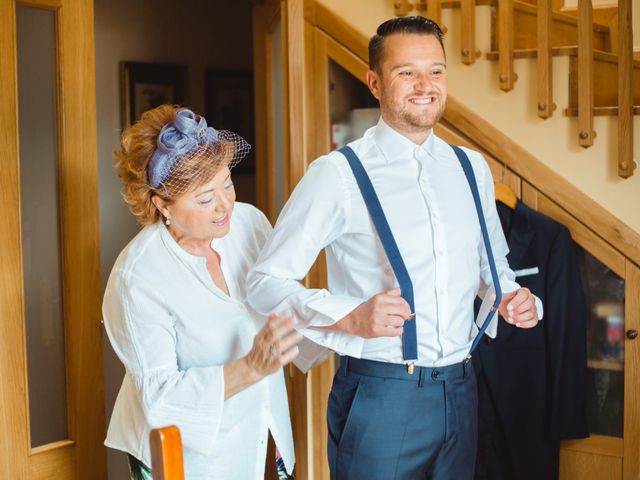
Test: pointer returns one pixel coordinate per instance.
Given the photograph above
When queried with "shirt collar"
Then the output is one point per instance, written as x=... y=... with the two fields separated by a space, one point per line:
x=396 y=147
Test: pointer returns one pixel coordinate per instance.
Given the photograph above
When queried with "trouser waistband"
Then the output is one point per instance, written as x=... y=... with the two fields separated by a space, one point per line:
x=372 y=368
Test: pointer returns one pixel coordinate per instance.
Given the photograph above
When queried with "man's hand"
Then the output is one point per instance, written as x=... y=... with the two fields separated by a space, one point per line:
x=519 y=308
x=381 y=316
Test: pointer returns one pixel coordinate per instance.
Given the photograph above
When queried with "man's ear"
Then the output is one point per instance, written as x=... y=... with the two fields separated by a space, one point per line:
x=373 y=82
x=161 y=205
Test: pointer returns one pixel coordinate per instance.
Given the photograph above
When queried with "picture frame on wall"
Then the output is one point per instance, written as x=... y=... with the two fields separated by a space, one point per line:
x=229 y=106
x=147 y=85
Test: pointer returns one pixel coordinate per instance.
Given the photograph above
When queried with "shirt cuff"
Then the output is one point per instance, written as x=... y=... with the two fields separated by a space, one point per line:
x=538 y=307
x=340 y=342
x=330 y=309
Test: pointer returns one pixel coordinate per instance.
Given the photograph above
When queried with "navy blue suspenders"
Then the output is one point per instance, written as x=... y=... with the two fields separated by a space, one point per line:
x=409 y=340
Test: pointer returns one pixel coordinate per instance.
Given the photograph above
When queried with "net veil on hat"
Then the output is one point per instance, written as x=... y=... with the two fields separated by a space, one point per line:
x=188 y=139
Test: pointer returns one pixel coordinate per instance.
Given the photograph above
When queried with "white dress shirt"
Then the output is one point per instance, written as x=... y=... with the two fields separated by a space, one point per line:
x=429 y=206
x=174 y=329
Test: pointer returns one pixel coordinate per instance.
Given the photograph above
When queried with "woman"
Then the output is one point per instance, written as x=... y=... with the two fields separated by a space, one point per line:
x=195 y=354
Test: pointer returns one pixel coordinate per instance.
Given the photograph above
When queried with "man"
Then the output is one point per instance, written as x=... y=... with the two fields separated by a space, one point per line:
x=386 y=419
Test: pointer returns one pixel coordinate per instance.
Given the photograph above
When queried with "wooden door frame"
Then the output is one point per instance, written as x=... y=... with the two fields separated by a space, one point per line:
x=82 y=455
x=266 y=14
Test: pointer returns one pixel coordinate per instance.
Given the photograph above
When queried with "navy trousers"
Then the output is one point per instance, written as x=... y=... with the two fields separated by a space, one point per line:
x=386 y=424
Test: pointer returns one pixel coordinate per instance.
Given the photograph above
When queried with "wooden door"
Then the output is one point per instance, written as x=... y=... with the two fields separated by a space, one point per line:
x=51 y=380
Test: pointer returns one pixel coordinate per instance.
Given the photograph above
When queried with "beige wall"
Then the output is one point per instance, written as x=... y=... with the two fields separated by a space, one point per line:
x=552 y=141
x=199 y=34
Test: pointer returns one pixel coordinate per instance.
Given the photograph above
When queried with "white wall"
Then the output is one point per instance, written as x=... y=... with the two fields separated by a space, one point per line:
x=196 y=33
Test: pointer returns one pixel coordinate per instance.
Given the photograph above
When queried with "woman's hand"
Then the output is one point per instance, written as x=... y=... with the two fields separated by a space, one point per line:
x=274 y=346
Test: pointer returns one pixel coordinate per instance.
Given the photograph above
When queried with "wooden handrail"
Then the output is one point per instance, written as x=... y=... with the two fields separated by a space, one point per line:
x=505 y=45
x=468 y=32
x=626 y=164
x=585 y=73
x=524 y=164
x=545 y=72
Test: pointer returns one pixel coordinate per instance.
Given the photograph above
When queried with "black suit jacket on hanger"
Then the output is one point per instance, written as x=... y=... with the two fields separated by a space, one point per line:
x=532 y=382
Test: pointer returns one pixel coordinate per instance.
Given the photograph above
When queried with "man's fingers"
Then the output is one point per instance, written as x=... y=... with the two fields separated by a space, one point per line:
x=386 y=331
x=525 y=317
x=528 y=304
x=528 y=323
x=392 y=320
x=518 y=298
x=395 y=292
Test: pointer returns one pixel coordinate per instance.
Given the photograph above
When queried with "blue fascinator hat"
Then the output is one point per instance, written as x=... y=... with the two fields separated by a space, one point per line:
x=188 y=138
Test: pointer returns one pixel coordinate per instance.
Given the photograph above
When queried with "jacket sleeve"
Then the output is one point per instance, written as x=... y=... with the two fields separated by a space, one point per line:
x=566 y=340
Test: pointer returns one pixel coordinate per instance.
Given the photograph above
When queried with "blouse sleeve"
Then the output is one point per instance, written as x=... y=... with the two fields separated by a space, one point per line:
x=142 y=332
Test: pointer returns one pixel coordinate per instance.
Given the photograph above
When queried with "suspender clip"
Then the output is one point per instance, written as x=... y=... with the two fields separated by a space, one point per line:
x=410 y=368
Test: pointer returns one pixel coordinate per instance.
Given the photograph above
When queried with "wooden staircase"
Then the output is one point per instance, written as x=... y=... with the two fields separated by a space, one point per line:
x=604 y=78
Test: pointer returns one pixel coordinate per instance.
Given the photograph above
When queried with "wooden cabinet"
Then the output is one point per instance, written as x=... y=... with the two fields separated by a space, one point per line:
x=611 y=283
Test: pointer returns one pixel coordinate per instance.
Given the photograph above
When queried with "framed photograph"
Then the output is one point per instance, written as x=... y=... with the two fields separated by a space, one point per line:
x=147 y=85
x=229 y=106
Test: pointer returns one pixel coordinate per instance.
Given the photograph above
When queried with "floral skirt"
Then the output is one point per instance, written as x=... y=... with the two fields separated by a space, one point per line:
x=139 y=471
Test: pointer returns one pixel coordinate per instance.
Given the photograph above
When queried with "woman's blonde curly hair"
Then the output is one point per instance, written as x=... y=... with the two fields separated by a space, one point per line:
x=138 y=143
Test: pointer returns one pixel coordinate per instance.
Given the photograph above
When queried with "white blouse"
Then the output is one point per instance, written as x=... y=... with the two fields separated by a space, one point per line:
x=174 y=330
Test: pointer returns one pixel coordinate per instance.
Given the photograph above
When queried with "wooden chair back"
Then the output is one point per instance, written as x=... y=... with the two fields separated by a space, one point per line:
x=166 y=454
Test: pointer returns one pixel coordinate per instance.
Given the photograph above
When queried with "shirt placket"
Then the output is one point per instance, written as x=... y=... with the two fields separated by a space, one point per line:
x=439 y=252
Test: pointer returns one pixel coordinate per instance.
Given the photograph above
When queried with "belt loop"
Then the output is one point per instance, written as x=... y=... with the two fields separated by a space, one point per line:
x=422 y=373
x=344 y=363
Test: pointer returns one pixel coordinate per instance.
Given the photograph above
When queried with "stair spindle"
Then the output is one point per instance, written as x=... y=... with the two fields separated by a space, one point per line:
x=468 y=32
x=434 y=12
x=505 y=45
x=402 y=7
x=626 y=164
x=545 y=72
x=585 y=73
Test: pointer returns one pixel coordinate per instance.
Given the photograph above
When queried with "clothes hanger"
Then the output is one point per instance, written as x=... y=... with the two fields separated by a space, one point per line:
x=504 y=193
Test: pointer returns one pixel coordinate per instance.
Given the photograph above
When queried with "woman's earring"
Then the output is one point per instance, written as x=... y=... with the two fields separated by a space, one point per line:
x=168 y=221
